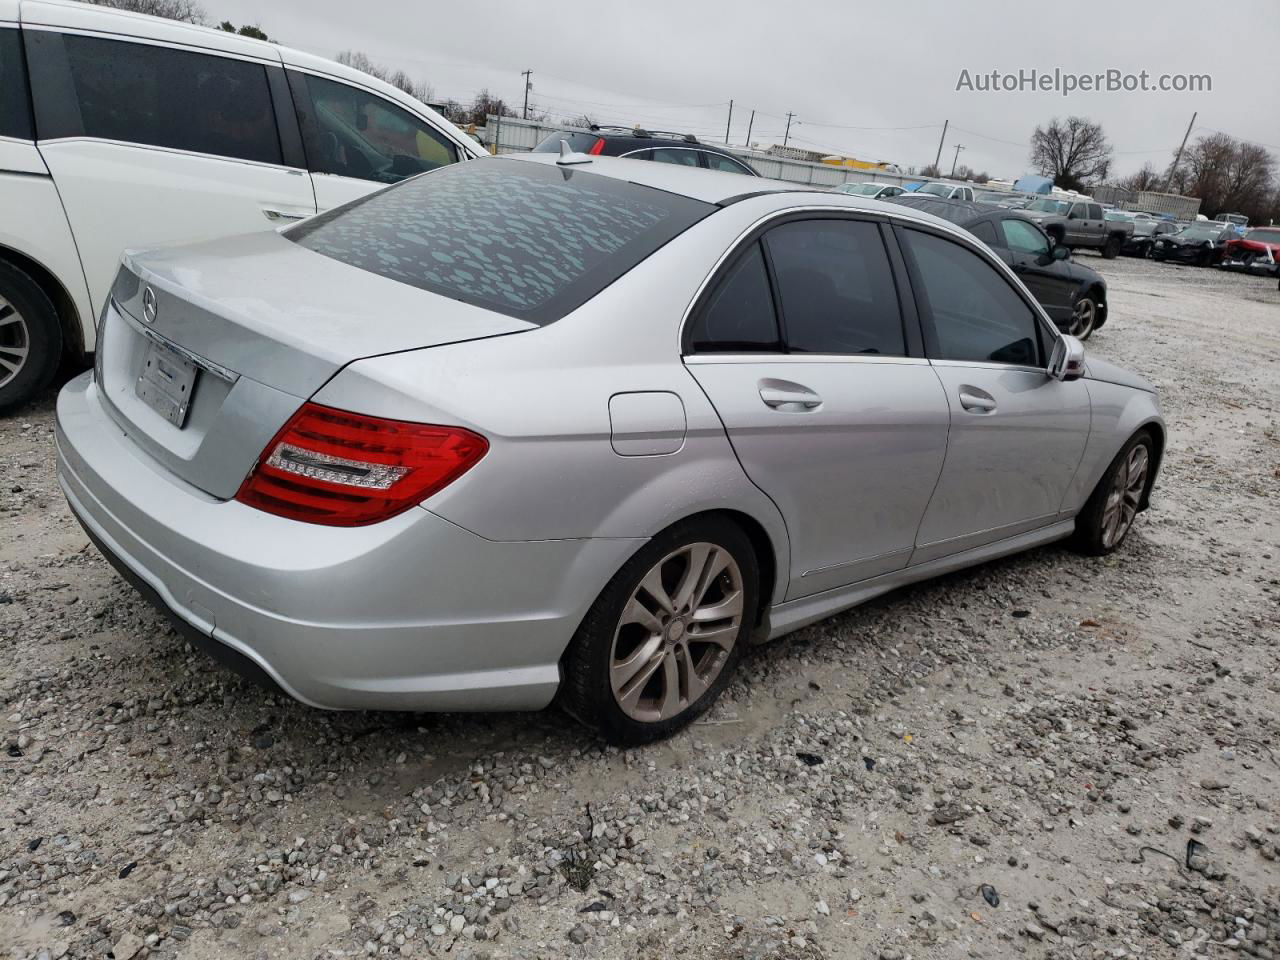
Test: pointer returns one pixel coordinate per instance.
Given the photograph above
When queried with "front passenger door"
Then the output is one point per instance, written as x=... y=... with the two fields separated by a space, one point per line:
x=1030 y=256
x=1017 y=435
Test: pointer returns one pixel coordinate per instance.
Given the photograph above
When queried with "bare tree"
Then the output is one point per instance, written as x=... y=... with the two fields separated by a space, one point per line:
x=1145 y=179
x=1073 y=152
x=358 y=60
x=1229 y=176
x=188 y=11
x=930 y=171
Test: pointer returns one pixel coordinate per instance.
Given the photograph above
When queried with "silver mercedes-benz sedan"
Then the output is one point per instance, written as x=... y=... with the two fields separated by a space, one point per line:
x=578 y=428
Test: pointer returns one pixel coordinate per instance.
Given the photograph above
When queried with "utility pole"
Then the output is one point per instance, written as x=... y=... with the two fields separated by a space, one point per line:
x=528 y=82
x=787 y=136
x=938 y=159
x=959 y=147
x=728 y=123
x=750 y=124
x=1168 y=182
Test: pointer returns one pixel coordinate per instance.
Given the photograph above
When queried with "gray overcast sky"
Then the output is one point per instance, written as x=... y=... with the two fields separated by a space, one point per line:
x=839 y=65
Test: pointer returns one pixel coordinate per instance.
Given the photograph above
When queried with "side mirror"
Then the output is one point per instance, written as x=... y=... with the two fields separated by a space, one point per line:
x=1061 y=252
x=1066 y=362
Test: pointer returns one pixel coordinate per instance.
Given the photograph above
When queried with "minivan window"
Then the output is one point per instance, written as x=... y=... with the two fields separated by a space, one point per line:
x=15 y=102
x=718 y=161
x=158 y=96
x=739 y=316
x=359 y=134
x=975 y=313
x=836 y=288
x=530 y=240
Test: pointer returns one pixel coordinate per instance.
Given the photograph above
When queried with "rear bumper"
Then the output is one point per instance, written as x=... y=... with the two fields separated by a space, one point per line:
x=414 y=613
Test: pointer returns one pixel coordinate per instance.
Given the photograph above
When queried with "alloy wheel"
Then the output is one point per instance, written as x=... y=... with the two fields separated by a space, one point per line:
x=15 y=341
x=1083 y=318
x=676 y=632
x=1124 y=496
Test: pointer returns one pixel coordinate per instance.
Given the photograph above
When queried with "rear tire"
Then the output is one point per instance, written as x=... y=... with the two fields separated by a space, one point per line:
x=636 y=670
x=1111 y=249
x=1108 y=514
x=30 y=337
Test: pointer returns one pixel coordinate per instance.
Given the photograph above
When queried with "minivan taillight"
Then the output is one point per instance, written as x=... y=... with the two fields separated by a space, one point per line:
x=346 y=469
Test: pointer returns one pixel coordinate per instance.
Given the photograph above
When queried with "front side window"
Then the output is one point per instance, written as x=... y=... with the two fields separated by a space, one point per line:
x=836 y=288
x=533 y=241
x=975 y=313
x=360 y=135
x=739 y=315
x=685 y=158
x=158 y=96
x=1024 y=237
x=15 y=105
x=718 y=161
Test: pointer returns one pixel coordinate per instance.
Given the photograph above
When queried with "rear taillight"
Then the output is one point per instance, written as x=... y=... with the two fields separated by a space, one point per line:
x=346 y=469
x=597 y=147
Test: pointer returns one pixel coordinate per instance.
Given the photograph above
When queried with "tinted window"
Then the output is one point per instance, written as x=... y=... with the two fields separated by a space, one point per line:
x=529 y=240
x=1095 y=211
x=985 y=232
x=718 y=161
x=578 y=142
x=171 y=98
x=358 y=134
x=15 y=107
x=835 y=288
x=1023 y=237
x=976 y=314
x=687 y=158
x=739 y=315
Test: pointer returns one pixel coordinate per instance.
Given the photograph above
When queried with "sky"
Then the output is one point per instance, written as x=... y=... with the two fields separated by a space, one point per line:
x=873 y=80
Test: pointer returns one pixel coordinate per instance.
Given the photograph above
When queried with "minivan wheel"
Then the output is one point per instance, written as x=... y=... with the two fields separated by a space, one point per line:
x=1084 y=317
x=30 y=338
x=1108 y=514
x=662 y=639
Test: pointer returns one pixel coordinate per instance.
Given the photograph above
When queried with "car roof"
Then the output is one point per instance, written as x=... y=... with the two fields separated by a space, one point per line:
x=962 y=212
x=724 y=189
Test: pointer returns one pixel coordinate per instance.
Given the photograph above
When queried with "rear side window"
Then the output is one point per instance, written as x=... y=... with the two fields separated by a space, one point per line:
x=836 y=288
x=976 y=315
x=739 y=316
x=718 y=161
x=1095 y=211
x=985 y=232
x=15 y=102
x=359 y=134
x=530 y=240
x=684 y=158
x=158 y=96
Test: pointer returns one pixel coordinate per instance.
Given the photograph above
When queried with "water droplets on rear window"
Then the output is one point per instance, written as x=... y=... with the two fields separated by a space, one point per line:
x=519 y=238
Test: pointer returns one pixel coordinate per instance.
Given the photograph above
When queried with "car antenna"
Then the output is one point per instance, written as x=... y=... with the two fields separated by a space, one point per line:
x=568 y=156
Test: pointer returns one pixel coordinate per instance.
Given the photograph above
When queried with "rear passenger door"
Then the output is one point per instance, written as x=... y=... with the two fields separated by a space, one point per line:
x=152 y=143
x=813 y=362
x=357 y=141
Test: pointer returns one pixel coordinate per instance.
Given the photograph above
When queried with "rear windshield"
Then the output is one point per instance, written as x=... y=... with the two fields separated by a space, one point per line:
x=530 y=240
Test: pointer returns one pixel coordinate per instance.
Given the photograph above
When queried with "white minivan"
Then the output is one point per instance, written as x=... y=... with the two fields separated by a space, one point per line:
x=125 y=131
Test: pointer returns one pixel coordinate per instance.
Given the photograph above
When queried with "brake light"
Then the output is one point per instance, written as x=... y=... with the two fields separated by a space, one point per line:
x=345 y=469
x=597 y=147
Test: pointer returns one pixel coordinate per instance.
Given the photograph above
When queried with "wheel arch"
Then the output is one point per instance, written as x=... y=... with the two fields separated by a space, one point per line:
x=1097 y=291
x=1158 y=438
x=68 y=314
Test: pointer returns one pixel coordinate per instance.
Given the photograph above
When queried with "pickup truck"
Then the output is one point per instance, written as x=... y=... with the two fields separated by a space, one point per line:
x=1079 y=223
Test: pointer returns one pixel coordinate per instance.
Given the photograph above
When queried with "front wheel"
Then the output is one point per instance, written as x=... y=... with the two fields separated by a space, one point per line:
x=1111 y=249
x=1109 y=512
x=661 y=641
x=1084 y=317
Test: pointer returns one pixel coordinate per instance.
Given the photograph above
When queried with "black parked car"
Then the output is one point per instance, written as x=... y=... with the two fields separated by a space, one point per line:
x=1073 y=295
x=1202 y=244
x=1145 y=232
x=640 y=144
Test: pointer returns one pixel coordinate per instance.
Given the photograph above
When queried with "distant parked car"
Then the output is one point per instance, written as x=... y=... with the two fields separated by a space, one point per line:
x=873 y=191
x=1145 y=229
x=1080 y=223
x=1239 y=219
x=120 y=130
x=1073 y=295
x=1003 y=198
x=1258 y=251
x=683 y=149
x=1202 y=244
x=947 y=191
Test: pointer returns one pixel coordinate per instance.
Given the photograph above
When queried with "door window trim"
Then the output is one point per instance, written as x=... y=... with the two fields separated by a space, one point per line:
x=907 y=311
x=1046 y=330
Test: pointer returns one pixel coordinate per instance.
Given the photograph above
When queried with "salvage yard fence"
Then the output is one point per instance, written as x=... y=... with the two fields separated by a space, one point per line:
x=511 y=135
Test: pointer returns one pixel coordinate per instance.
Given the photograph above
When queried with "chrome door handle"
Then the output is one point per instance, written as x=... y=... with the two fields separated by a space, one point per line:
x=279 y=216
x=784 y=393
x=971 y=398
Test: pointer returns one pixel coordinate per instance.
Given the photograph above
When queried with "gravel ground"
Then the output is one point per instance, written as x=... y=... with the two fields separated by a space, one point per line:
x=1016 y=759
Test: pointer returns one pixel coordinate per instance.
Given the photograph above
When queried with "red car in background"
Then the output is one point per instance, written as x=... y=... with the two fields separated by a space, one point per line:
x=1258 y=251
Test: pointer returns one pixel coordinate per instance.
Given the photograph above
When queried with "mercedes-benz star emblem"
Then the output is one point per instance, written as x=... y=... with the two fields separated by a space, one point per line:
x=149 y=308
